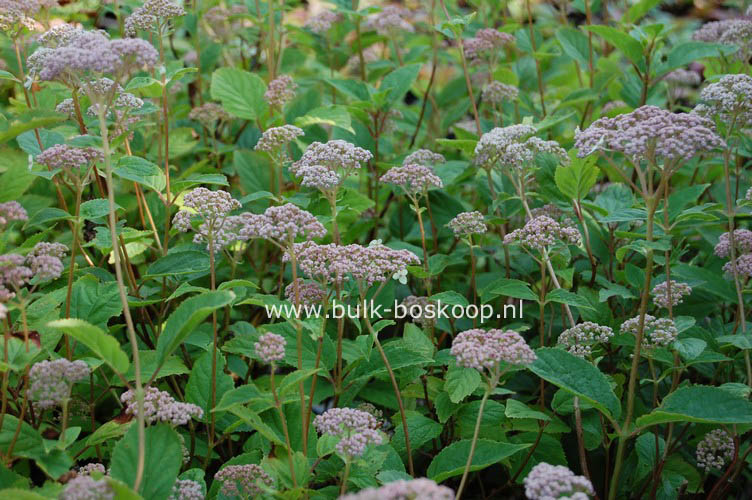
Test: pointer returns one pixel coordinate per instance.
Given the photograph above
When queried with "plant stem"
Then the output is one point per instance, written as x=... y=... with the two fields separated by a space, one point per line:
x=478 y=420
x=345 y=475
x=284 y=428
x=537 y=62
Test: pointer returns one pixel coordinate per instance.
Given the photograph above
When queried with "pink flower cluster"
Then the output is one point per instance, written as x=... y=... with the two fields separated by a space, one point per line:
x=390 y=19
x=580 y=339
x=486 y=41
x=497 y=92
x=481 y=349
x=321 y=162
x=729 y=100
x=715 y=450
x=413 y=178
x=11 y=211
x=246 y=481
x=280 y=91
x=308 y=293
x=217 y=229
x=335 y=263
x=275 y=138
x=150 y=15
x=208 y=114
x=187 y=489
x=50 y=382
x=514 y=146
x=282 y=224
x=467 y=223
x=678 y=292
x=423 y=157
x=541 y=232
x=159 y=406
x=652 y=133
x=68 y=157
x=87 y=488
x=549 y=482
x=356 y=428
x=270 y=347
x=416 y=309
x=323 y=21
x=414 y=489
x=657 y=332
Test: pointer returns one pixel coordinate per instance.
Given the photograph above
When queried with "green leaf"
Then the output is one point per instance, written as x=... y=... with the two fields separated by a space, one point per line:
x=577 y=376
x=142 y=171
x=94 y=301
x=186 y=318
x=690 y=348
x=30 y=121
x=701 y=404
x=177 y=263
x=566 y=297
x=162 y=460
x=740 y=341
x=451 y=460
x=105 y=346
x=627 y=45
x=451 y=297
x=504 y=287
x=335 y=115
x=198 y=389
x=96 y=209
x=467 y=146
x=518 y=409
x=576 y=180
x=105 y=432
x=46 y=216
x=353 y=88
x=399 y=81
x=688 y=52
x=638 y=10
x=574 y=43
x=240 y=92
x=461 y=382
x=420 y=429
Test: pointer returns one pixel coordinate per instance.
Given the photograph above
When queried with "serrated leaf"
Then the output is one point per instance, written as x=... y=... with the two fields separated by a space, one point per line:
x=240 y=92
x=701 y=404
x=177 y=263
x=461 y=382
x=335 y=115
x=451 y=461
x=142 y=171
x=105 y=346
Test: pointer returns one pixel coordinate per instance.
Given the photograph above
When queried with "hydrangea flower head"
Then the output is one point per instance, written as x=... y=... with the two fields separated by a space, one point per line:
x=581 y=338
x=50 y=382
x=356 y=428
x=678 y=292
x=541 y=232
x=246 y=481
x=423 y=157
x=326 y=165
x=159 y=406
x=208 y=114
x=390 y=19
x=420 y=488
x=497 y=92
x=481 y=349
x=657 y=332
x=187 y=489
x=715 y=450
x=11 y=211
x=276 y=138
x=728 y=100
x=270 y=347
x=280 y=91
x=281 y=224
x=151 y=15
x=467 y=223
x=549 y=482
x=514 y=146
x=87 y=488
x=413 y=178
x=308 y=293
x=323 y=21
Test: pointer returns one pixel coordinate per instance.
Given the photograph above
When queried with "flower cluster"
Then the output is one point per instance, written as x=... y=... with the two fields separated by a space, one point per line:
x=739 y=34
x=414 y=489
x=657 y=332
x=91 y=53
x=50 y=382
x=280 y=91
x=11 y=211
x=17 y=15
x=580 y=339
x=715 y=450
x=482 y=349
x=217 y=229
x=323 y=21
x=729 y=100
x=548 y=482
x=497 y=92
x=356 y=428
x=87 y=488
x=282 y=224
x=743 y=266
x=320 y=163
x=416 y=309
x=245 y=481
x=714 y=30
x=159 y=406
x=187 y=489
x=612 y=105
x=514 y=146
x=742 y=242
x=678 y=292
x=541 y=232
x=308 y=293
x=223 y=22
x=151 y=15
x=275 y=138
x=468 y=223
x=68 y=157
x=335 y=263
x=270 y=347
x=485 y=41
x=13 y=275
x=650 y=133
x=208 y=114
x=44 y=260
x=389 y=20
x=86 y=470
x=682 y=76
x=423 y=157
x=413 y=178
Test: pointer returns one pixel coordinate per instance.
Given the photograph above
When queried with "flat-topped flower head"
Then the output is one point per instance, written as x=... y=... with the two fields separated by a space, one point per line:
x=715 y=450
x=740 y=35
x=208 y=114
x=714 y=30
x=187 y=489
x=413 y=178
x=44 y=260
x=581 y=338
x=244 y=481
x=323 y=21
x=681 y=76
x=423 y=157
x=417 y=310
x=497 y=92
x=325 y=166
x=308 y=293
x=549 y=482
x=280 y=91
x=650 y=133
x=657 y=332
x=541 y=232
x=356 y=428
x=68 y=157
x=13 y=274
x=484 y=350
x=270 y=347
x=87 y=488
x=151 y=15
x=159 y=406
x=413 y=489
x=742 y=241
x=88 y=469
x=281 y=224
x=514 y=146
x=19 y=15
x=276 y=138
x=50 y=382
x=729 y=100
x=743 y=266
x=678 y=292
x=486 y=42
x=11 y=211
x=468 y=223
x=389 y=20
x=58 y=35
x=217 y=229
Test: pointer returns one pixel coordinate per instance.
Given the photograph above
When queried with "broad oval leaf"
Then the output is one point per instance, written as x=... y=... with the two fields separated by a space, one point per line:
x=241 y=92
x=451 y=460
x=176 y=263
x=702 y=404
x=105 y=346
